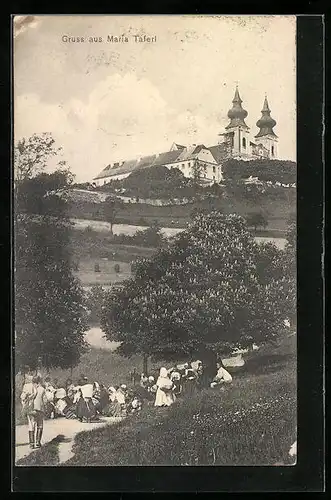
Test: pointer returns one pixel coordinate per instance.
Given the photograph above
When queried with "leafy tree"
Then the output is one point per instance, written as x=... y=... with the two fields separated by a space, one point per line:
x=110 y=208
x=257 y=219
x=205 y=291
x=197 y=172
x=283 y=171
x=94 y=302
x=32 y=155
x=49 y=302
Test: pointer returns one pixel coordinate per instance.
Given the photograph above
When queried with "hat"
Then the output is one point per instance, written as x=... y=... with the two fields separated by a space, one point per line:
x=123 y=386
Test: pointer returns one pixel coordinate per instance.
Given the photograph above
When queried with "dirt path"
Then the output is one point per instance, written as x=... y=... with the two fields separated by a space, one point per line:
x=52 y=429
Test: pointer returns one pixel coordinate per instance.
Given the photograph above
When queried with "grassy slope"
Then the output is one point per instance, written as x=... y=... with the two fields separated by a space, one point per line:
x=279 y=209
x=253 y=422
x=46 y=455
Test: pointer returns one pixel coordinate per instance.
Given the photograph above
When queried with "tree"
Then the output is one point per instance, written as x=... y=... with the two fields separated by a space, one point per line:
x=94 y=302
x=283 y=171
x=50 y=318
x=197 y=172
x=205 y=291
x=110 y=207
x=257 y=219
x=32 y=155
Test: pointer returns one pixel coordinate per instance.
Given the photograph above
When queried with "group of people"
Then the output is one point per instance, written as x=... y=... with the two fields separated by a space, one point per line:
x=184 y=380
x=87 y=401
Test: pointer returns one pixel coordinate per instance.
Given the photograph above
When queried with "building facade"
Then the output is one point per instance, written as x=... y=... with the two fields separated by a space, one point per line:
x=235 y=142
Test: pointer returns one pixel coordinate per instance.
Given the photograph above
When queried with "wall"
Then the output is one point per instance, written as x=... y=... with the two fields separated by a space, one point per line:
x=105 y=180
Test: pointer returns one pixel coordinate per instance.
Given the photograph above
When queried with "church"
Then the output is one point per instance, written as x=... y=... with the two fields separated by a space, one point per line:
x=235 y=142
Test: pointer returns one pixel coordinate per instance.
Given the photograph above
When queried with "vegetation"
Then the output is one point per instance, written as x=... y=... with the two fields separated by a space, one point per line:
x=49 y=316
x=151 y=237
x=252 y=422
x=32 y=155
x=257 y=219
x=158 y=182
x=282 y=171
x=45 y=456
x=212 y=289
x=110 y=209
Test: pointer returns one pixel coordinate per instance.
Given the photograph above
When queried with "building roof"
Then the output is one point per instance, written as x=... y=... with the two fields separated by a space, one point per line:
x=219 y=152
x=182 y=154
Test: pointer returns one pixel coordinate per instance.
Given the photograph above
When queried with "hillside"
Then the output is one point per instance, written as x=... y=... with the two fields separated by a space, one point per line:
x=278 y=205
x=251 y=422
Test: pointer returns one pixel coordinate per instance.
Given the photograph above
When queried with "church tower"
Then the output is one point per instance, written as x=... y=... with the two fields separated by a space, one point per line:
x=266 y=136
x=237 y=132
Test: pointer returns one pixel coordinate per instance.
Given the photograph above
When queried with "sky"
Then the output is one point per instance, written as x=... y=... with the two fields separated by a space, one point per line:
x=106 y=101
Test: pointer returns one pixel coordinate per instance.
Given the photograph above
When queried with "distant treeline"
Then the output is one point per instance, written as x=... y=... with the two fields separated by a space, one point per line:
x=282 y=171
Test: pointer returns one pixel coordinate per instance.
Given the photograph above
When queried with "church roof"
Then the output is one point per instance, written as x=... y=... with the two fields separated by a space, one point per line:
x=237 y=114
x=265 y=123
x=219 y=152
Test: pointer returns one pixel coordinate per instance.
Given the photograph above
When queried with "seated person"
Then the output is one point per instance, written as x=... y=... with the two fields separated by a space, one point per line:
x=222 y=376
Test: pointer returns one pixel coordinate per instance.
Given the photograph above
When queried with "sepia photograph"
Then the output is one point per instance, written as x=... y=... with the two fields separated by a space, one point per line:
x=155 y=269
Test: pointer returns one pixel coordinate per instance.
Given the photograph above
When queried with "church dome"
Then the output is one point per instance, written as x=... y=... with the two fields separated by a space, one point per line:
x=265 y=123
x=237 y=114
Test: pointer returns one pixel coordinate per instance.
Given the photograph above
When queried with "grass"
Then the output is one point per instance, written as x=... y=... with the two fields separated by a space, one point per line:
x=107 y=274
x=252 y=422
x=46 y=455
x=98 y=245
x=279 y=209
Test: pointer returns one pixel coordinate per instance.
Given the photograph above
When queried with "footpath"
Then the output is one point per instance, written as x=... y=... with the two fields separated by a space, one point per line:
x=54 y=428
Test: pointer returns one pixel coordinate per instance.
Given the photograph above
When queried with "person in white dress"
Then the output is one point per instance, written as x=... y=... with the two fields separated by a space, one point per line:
x=222 y=376
x=165 y=395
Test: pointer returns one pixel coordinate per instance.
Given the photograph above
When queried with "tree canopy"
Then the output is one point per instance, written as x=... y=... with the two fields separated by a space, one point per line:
x=212 y=286
x=49 y=303
x=282 y=171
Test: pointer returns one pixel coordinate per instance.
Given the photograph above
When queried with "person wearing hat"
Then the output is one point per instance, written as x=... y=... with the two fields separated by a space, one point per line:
x=165 y=394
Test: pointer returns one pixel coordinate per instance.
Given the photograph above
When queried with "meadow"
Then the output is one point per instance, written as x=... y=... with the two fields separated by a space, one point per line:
x=251 y=422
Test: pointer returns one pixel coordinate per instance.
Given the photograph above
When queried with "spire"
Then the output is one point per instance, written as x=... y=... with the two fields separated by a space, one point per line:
x=265 y=123
x=237 y=114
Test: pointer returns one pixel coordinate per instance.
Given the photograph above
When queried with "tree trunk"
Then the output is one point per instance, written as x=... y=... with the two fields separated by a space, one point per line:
x=145 y=364
x=71 y=373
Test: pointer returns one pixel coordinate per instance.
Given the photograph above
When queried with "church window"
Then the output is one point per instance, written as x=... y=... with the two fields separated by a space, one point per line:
x=183 y=165
x=189 y=164
x=214 y=169
x=244 y=142
x=272 y=150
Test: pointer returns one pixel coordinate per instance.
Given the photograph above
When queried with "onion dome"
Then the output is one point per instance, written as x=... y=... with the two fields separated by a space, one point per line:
x=265 y=123
x=237 y=114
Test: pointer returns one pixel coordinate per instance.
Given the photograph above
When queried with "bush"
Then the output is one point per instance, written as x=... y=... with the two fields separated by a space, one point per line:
x=257 y=219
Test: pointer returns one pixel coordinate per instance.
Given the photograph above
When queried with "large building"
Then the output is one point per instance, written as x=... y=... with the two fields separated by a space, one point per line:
x=236 y=142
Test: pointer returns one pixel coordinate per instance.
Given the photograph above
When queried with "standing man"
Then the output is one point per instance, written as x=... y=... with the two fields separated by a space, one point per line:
x=34 y=402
